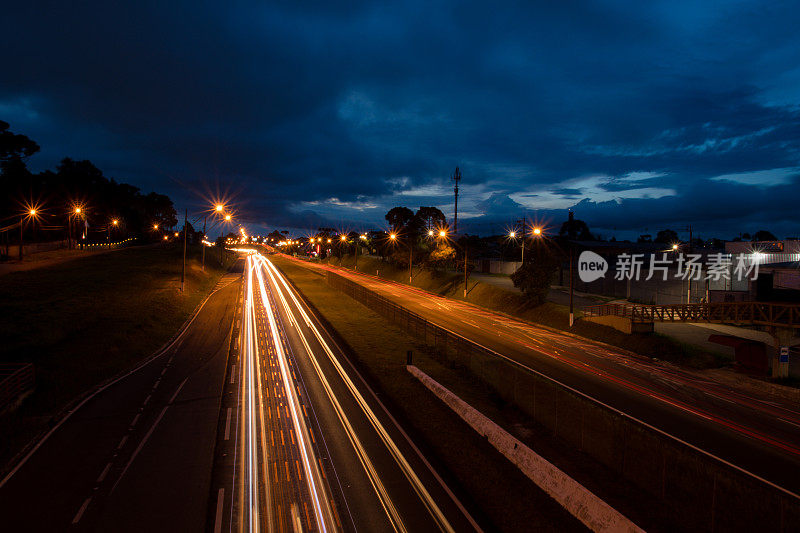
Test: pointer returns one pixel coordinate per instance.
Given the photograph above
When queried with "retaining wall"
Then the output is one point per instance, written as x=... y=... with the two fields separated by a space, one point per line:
x=701 y=491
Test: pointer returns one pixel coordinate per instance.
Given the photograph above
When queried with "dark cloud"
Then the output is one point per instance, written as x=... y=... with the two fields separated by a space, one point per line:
x=294 y=102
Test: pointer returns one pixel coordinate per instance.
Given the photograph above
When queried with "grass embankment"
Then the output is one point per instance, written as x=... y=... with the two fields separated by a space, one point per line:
x=85 y=320
x=451 y=285
x=482 y=477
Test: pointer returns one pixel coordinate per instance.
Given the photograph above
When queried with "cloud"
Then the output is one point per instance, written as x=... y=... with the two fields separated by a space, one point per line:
x=350 y=108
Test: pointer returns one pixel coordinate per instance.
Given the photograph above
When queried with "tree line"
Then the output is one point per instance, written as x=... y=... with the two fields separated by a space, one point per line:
x=76 y=195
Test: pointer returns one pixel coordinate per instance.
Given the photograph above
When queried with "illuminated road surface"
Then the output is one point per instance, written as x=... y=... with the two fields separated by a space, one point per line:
x=316 y=451
x=760 y=435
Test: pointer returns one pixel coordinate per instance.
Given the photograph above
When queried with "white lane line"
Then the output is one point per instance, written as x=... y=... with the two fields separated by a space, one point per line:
x=164 y=371
x=233 y=373
x=220 y=500
x=150 y=432
x=146 y=400
x=135 y=419
x=104 y=473
x=122 y=442
x=81 y=510
x=228 y=425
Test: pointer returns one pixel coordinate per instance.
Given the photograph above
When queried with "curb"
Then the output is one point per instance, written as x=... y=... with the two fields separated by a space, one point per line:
x=593 y=512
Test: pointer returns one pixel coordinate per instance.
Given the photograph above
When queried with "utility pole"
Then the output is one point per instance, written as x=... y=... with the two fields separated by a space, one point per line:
x=410 y=256
x=204 y=245
x=465 y=272
x=355 y=265
x=571 y=284
x=456 y=178
x=185 y=224
x=21 y=226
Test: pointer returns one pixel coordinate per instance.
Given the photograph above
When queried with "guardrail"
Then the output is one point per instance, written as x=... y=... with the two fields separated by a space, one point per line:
x=700 y=490
x=763 y=313
x=15 y=380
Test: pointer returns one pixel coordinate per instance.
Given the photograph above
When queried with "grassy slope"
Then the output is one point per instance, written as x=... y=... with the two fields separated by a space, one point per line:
x=86 y=320
x=549 y=314
x=491 y=483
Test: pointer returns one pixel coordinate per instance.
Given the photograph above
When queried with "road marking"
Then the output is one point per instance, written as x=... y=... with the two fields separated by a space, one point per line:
x=150 y=432
x=81 y=510
x=122 y=442
x=228 y=425
x=135 y=419
x=146 y=400
x=220 y=500
x=103 y=474
x=233 y=373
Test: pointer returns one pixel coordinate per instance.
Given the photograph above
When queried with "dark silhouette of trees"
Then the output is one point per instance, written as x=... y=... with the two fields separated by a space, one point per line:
x=76 y=184
x=535 y=275
x=399 y=218
x=667 y=236
x=15 y=145
x=764 y=235
x=575 y=229
x=430 y=218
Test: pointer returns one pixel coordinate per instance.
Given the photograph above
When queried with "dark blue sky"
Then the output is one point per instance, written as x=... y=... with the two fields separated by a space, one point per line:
x=640 y=115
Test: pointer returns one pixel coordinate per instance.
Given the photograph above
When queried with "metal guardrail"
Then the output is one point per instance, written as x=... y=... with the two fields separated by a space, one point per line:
x=768 y=314
x=15 y=380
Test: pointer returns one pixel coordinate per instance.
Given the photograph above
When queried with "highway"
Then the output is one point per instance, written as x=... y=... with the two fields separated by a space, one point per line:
x=314 y=448
x=757 y=434
x=137 y=454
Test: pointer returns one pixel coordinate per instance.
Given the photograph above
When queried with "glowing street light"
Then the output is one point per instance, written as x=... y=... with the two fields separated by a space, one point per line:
x=227 y=218
x=115 y=222
x=442 y=233
x=155 y=226
x=165 y=237
x=177 y=234
x=513 y=234
x=32 y=212
x=393 y=236
x=674 y=247
x=343 y=238
x=430 y=233
x=219 y=208
x=537 y=231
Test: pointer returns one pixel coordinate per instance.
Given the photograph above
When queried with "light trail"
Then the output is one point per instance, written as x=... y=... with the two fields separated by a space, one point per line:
x=408 y=471
x=316 y=486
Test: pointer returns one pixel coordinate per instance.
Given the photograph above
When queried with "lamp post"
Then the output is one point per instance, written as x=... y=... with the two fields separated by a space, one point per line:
x=185 y=224
x=393 y=237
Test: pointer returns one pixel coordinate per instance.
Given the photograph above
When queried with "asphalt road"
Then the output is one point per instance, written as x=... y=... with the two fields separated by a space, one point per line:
x=760 y=435
x=313 y=447
x=138 y=455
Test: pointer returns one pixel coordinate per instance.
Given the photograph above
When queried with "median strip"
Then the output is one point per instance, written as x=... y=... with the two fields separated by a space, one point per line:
x=595 y=513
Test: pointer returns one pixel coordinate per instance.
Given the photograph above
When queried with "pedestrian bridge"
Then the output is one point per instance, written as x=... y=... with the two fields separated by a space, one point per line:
x=740 y=313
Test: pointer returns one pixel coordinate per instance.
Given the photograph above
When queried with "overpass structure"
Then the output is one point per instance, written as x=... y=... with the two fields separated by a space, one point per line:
x=780 y=315
x=780 y=320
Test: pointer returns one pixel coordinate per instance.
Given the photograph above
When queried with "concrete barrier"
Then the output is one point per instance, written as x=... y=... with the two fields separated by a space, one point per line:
x=621 y=323
x=595 y=513
x=701 y=491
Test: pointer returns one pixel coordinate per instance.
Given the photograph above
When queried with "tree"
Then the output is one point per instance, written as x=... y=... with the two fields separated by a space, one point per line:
x=441 y=255
x=575 y=229
x=667 y=236
x=764 y=235
x=15 y=145
x=430 y=218
x=646 y=238
x=535 y=275
x=399 y=217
